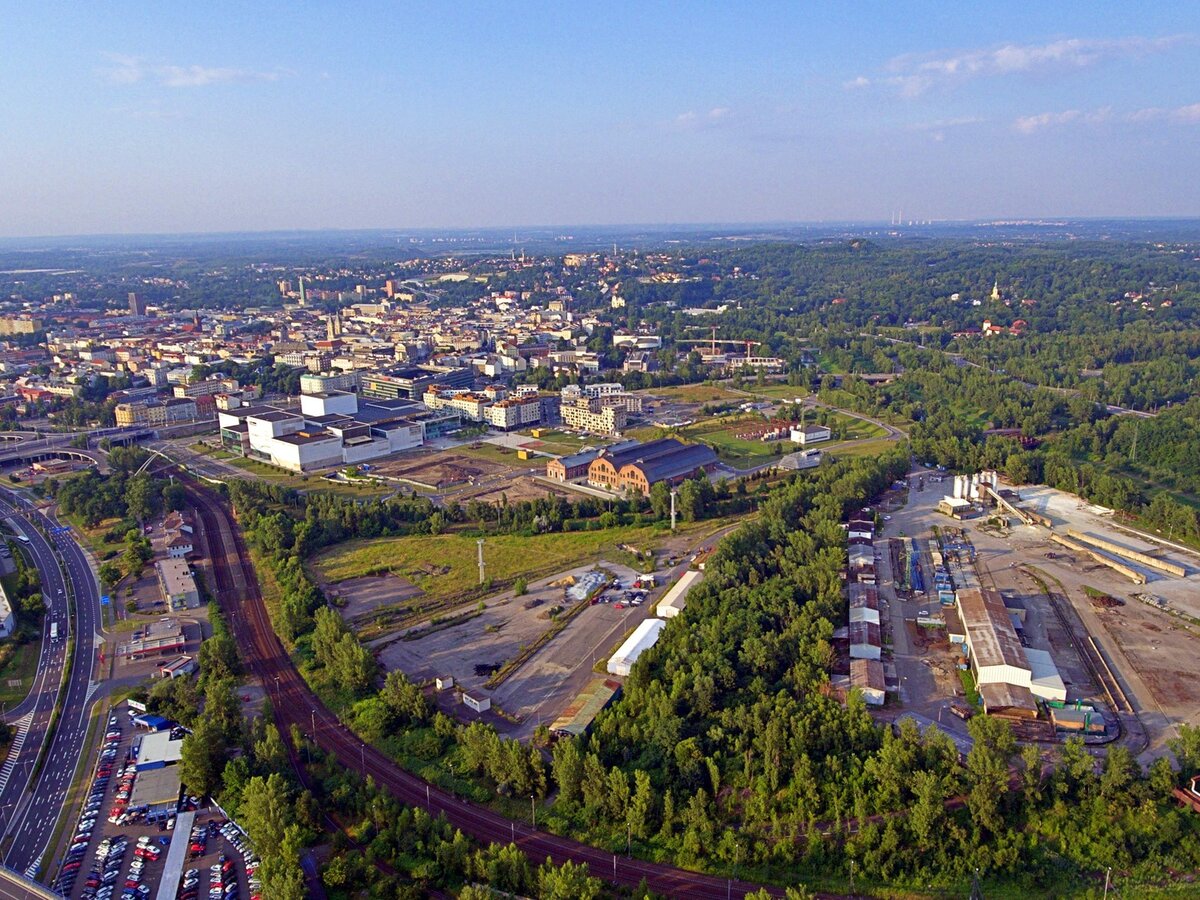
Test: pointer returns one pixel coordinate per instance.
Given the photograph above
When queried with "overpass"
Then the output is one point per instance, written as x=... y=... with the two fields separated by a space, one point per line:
x=31 y=453
x=17 y=887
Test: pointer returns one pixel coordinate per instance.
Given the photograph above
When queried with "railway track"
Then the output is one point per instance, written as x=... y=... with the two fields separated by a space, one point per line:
x=237 y=591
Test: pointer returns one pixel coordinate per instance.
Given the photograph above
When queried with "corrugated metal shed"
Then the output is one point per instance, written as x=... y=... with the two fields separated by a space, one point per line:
x=591 y=701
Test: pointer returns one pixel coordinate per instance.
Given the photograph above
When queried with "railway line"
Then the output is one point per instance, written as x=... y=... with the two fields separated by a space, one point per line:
x=237 y=591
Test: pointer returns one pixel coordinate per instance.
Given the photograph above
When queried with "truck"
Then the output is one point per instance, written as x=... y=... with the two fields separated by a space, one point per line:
x=54 y=632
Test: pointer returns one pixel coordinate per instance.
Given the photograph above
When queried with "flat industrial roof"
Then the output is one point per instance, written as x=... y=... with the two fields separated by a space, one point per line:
x=176 y=576
x=168 y=885
x=155 y=787
x=158 y=747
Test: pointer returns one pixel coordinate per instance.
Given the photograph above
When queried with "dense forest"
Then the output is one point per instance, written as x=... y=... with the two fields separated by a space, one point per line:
x=729 y=750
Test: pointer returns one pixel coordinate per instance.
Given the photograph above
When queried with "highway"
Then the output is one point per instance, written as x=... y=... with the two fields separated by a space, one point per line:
x=237 y=590
x=31 y=814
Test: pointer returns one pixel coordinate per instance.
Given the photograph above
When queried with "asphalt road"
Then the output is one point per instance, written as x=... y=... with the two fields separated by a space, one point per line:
x=30 y=815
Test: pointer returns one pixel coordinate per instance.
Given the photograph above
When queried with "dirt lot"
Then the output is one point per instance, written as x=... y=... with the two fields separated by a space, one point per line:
x=524 y=487
x=362 y=596
x=442 y=469
x=489 y=639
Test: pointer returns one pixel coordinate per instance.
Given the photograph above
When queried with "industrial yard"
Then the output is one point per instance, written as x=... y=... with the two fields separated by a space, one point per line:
x=529 y=655
x=1089 y=594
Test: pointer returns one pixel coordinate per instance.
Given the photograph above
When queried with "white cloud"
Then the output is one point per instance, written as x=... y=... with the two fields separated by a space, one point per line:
x=694 y=121
x=857 y=84
x=1030 y=124
x=914 y=74
x=1179 y=115
x=132 y=69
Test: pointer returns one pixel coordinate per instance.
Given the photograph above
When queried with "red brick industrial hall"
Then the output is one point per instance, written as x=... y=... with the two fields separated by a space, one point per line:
x=637 y=467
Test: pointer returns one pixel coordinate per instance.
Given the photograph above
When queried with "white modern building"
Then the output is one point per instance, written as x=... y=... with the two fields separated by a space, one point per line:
x=332 y=428
x=810 y=434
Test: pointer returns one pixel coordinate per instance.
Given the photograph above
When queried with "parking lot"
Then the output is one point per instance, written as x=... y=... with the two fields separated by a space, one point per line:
x=120 y=848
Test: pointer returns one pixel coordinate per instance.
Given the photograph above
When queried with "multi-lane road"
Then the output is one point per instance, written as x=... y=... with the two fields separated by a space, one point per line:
x=31 y=806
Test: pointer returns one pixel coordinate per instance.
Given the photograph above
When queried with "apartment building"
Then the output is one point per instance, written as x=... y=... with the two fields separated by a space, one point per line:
x=586 y=414
x=514 y=413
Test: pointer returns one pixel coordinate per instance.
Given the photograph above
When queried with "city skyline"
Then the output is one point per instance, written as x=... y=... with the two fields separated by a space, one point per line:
x=167 y=121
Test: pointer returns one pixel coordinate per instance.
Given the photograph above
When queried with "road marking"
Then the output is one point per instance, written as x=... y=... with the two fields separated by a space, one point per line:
x=14 y=751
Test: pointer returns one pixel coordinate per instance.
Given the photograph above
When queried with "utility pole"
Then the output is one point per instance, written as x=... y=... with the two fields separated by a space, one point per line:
x=1107 y=876
x=533 y=811
x=480 y=543
x=673 y=493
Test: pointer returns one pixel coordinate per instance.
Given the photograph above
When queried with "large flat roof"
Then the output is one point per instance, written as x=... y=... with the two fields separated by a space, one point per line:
x=157 y=747
x=990 y=633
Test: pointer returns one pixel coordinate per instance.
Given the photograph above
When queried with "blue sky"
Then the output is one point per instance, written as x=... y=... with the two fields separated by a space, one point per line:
x=162 y=117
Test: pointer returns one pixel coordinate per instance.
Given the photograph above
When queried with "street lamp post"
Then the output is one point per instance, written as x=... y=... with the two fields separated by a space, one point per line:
x=533 y=811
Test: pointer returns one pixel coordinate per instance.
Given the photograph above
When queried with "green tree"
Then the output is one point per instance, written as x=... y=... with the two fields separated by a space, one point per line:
x=570 y=881
x=267 y=813
x=202 y=758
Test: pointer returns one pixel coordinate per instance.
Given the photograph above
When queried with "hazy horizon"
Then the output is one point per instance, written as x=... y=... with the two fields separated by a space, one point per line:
x=224 y=119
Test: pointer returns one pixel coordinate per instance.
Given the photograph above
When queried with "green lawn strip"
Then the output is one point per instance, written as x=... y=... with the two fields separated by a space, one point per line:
x=22 y=666
x=866 y=448
x=968 y=683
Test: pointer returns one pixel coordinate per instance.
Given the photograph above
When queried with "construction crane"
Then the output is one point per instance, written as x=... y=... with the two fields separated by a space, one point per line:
x=713 y=341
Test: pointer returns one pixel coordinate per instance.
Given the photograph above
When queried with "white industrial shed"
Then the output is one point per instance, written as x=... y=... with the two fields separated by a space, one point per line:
x=643 y=638
x=675 y=600
x=1045 y=682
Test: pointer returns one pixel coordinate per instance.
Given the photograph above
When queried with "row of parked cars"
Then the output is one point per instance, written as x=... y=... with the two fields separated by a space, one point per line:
x=91 y=809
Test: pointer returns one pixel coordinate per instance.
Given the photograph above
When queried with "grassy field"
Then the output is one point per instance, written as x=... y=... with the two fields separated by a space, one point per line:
x=693 y=393
x=445 y=565
x=721 y=435
x=866 y=448
x=496 y=454
x=20 y=667
x=777 y=391
x=564 y=442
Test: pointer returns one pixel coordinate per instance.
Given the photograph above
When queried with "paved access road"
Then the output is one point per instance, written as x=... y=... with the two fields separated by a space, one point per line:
x=29 y=821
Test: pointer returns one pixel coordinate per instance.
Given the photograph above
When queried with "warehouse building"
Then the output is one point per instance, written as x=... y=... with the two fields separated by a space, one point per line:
x=1009 y=675
x=675 y=600
x=643 y=638
x=577 y=718
x=634 y=466
x=865 y=641
x=867 y=675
